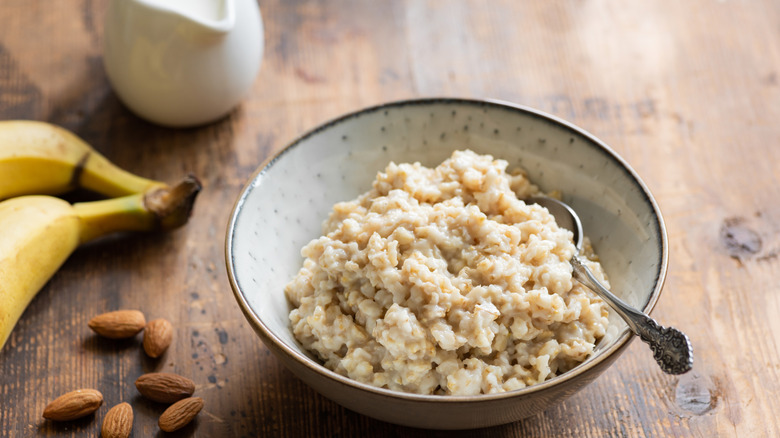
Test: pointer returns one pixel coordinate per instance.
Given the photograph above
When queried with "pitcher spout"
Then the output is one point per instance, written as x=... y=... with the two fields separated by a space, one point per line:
x=207 y=16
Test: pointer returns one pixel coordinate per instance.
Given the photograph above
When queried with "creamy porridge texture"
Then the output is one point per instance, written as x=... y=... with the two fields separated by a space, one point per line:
x=443 y=281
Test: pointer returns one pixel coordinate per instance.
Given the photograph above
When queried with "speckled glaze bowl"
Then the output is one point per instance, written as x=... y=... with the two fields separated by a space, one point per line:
x=285 y=202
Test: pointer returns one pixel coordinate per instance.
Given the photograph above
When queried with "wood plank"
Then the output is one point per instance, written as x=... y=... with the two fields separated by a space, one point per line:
x=687 y=92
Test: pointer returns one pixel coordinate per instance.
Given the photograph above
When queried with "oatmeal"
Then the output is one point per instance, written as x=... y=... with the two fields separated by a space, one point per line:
x=443 y=281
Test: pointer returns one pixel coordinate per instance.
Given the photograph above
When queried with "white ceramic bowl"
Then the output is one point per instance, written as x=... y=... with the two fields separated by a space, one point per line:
x=284 y=204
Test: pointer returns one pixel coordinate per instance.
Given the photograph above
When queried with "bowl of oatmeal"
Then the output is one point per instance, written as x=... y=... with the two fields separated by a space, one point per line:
x=390 y=260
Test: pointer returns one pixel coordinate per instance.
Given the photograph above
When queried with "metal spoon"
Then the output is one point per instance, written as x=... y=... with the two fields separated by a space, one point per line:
x=671 y=348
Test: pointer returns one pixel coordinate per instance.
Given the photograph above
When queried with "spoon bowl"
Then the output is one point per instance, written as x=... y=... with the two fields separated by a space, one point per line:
x=671 y=348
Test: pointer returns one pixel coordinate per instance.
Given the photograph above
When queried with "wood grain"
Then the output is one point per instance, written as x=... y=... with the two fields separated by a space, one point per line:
x=687 y=92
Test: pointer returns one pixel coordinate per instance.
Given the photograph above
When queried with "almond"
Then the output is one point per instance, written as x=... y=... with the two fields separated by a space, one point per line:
x=119 y=324
x=73 y=405
x=164 y=387
x=118 y=422
x=157 y=337
x=180 y=414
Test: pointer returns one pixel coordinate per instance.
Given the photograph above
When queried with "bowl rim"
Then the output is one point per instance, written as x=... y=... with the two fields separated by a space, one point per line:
x=625 y=336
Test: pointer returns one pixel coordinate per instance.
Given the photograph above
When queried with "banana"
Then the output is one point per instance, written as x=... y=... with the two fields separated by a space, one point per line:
x=43 y=159
x=38 y=233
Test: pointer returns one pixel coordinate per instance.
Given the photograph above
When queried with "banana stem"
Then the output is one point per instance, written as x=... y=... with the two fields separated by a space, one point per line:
x=98 y=174
x=95 y=172
x=99 y=218
x=160 y=209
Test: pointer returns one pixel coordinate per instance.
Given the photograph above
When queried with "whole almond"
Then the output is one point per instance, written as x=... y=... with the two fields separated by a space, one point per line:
x=119 y=324
x=73 y=405
x=157 y=337
x=118 y=422
x=164 y=387
x=180 y=414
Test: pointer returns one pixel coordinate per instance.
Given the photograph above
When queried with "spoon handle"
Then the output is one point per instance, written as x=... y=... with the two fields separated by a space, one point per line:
x=671 y=348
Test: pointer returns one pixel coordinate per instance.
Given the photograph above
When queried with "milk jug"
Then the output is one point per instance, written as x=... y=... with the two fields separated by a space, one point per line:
x=182 y=62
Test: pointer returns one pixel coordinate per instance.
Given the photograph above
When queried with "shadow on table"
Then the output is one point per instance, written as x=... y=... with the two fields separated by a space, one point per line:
x=80 y=427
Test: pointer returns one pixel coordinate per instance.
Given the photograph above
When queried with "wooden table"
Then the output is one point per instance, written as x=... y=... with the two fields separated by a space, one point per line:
x=687 y=92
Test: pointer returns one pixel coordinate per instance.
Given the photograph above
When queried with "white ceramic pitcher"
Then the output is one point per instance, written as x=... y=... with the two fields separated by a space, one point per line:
x=182 y=62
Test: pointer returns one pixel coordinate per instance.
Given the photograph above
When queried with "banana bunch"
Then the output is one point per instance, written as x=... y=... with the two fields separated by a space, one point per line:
x=39 y=232
x=38 y=158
